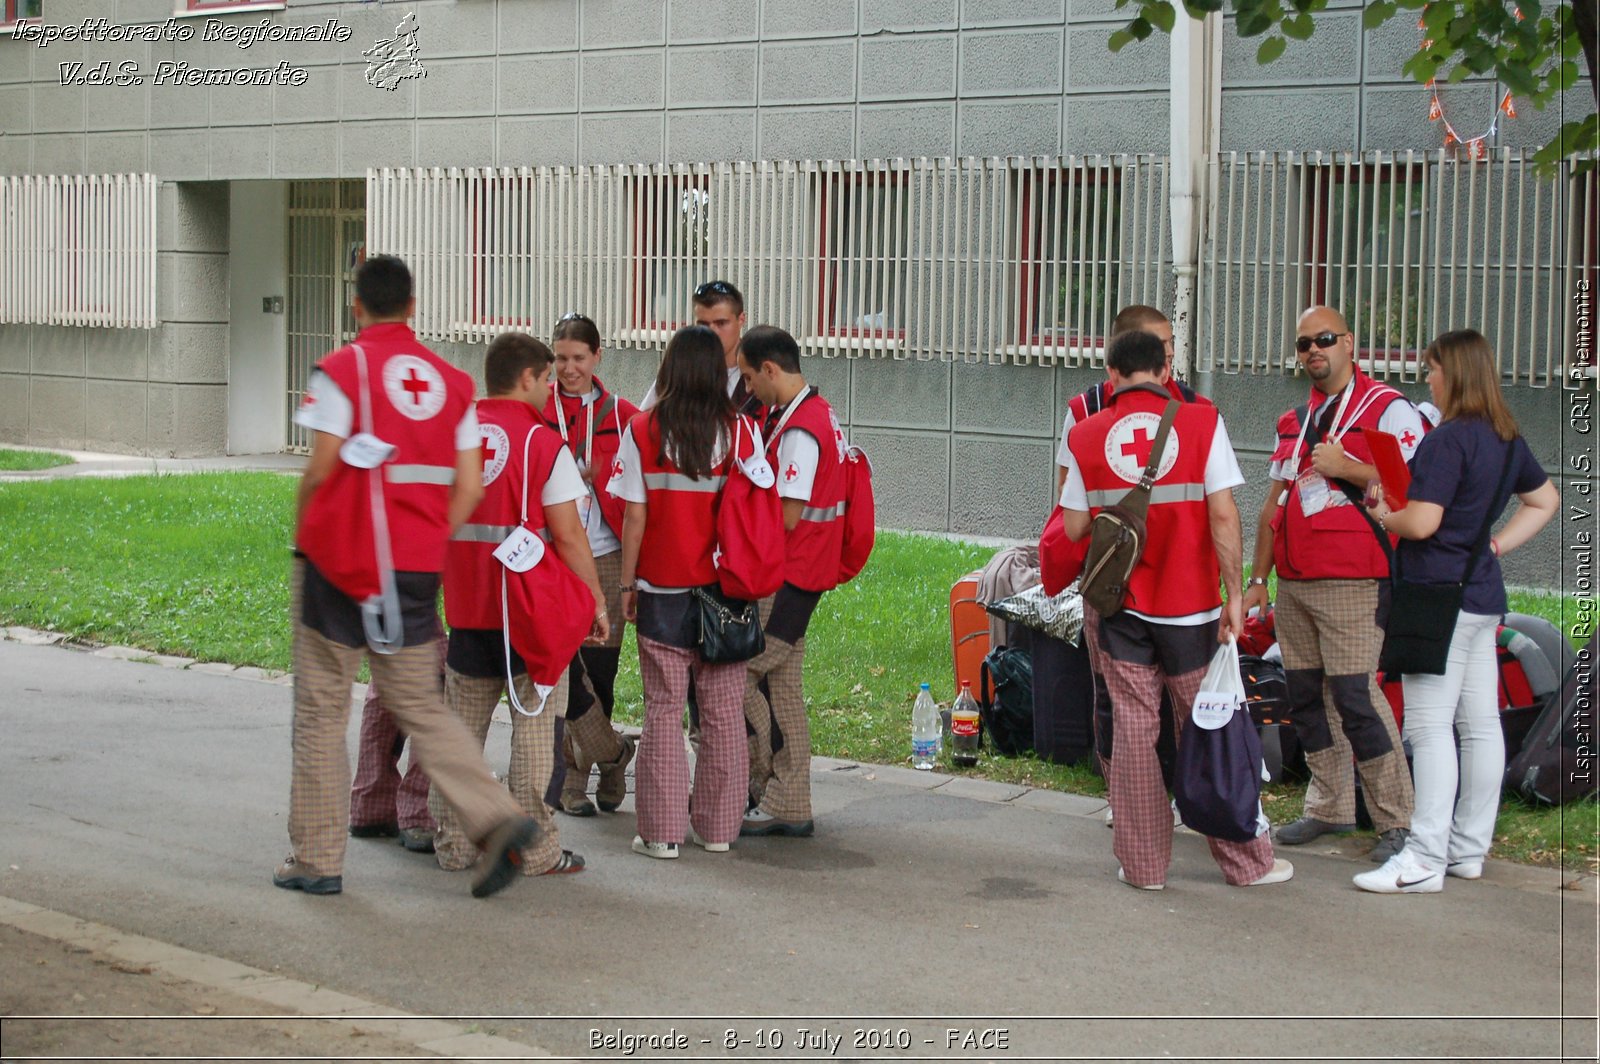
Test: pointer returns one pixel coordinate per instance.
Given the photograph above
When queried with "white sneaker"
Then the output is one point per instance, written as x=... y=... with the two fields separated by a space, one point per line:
x=1108 y=816
x=709 y=847
x=1148 y=886
x=1280 y=872
x=1401 y=874
x=1177 y=817
x=665 y=851
x=1465 y=869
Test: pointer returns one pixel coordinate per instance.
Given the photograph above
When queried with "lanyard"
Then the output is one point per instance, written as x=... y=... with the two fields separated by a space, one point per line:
x=588 y=433
x=1340 y=426
x=788 y=412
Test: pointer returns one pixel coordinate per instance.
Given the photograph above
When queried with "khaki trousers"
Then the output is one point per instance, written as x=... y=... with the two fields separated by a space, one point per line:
x=780 y=780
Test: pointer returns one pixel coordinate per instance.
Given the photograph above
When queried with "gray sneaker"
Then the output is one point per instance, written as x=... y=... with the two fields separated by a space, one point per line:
x=1307 y=828
x=1390 y=843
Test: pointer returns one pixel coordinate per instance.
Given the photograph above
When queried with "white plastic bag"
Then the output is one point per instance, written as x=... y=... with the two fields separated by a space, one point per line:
x=1222 y=690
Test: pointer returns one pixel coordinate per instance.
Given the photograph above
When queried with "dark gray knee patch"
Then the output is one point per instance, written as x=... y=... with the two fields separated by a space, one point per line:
x=1306 y=710
x=1352 y=696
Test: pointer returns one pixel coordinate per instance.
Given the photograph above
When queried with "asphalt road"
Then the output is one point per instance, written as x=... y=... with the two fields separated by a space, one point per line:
x=153 y=800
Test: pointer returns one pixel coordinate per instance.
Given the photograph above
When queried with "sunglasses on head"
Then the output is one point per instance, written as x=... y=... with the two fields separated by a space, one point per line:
x=573 y=315
x=721 y=288
x=1323 y=340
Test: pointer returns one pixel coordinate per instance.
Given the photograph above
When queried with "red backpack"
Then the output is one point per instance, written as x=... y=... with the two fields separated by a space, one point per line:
x=750 y=533
x=860 y=513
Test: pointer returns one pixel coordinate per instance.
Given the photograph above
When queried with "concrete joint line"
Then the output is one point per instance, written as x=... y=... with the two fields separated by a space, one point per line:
x=301 y=999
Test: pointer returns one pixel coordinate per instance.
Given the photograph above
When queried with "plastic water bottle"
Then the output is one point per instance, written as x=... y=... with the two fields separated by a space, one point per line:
x=964 y=728
x=924 y=730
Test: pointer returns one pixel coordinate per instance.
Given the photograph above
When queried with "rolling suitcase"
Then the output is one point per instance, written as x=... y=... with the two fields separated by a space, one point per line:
x=1556 y=763
x=969 y=631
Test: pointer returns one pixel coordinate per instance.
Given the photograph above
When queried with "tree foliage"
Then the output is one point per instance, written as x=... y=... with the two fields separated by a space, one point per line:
x=1533 y=48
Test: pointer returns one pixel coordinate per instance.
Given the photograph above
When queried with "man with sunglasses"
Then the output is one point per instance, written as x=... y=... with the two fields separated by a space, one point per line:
x=719 y=306
x=1333 y=586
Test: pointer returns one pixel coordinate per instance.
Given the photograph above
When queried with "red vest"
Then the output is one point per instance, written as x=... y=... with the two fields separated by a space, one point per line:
x=1337 y=543
x=1091 y=401
x=417 y=399
x=611 y=413
x=680 y=535
x=471 y=573
x=1178 y=574
x=814 y=546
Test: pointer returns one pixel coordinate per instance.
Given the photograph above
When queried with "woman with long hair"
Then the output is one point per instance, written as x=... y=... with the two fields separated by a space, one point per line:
x=591 y=421
x=672 y=463
x=1462 y=476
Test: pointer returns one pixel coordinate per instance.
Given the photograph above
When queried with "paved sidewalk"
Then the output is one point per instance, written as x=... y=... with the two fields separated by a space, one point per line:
x=96 y=464
x=151 y=801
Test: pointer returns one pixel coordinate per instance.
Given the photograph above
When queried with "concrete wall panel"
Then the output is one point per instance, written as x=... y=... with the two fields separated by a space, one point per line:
x=16 y=341
x=315 y=101
x=1094 y=67
x=121 y=107
x=187 y=420
x=114 y=416
x=1332 y=56
x=57 y=351
x=900 y=16
x=117 y=354
x=55 y=415
x=815 y=18
x=1011 y=62
x=192 y=217
x=143 y=10
x=364 y=144
x=708 y=21
x=304 y=151
x=1003 y=400
x=622 y=81
x=711 y=135
x=239 y=153
x=455 y=142
x=192 y=287
x=458 y=29
x=620 y=138
x=457 y=88
x=906 y=130
x=1012 y=12
x=831 y=376
x=538 y=85
x=711 y=77
x=1288 y=119
x=547 y=26
x=15 y=404
x=999 y=487
x=16 y=63
x=1130 y=123
x=179 y=155
x=1031 y=127
x=16 y=155
x=1385 y=50
x=181 y=106
x=538 y=141
x=808 y=72
x=110 y=153
x=900 y=395
x=63 y=154
x=16 y=108
x=1397 y=117
x=59 y=108
x=908 y=68
x=910 y=477
x=807 y=133
x=359 y=100
x=623 y=23
x=190 y=352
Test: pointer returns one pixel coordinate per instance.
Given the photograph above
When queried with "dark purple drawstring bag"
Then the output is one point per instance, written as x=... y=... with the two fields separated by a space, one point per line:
x=1217 y=777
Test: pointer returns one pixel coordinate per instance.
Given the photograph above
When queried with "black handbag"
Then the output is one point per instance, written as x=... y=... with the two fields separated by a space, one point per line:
x=730 y=628
x=1422 y=617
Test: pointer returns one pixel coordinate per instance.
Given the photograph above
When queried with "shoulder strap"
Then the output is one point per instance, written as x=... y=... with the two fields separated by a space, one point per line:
x=1149 y=476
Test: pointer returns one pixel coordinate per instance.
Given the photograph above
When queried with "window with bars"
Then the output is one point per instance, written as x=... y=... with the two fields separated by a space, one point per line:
x=1069 y=250
x=501 y=251
x=217 y=7
x=672 y=247
x=12 y=10
x=864 y=246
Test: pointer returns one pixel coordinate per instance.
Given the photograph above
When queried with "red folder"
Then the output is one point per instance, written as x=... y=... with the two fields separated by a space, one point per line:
x=1391 y=466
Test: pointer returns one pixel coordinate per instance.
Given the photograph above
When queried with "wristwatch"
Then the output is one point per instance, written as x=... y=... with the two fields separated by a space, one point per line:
x=1258 y=581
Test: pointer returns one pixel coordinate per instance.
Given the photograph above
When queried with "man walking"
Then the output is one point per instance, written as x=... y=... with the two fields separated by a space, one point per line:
x=394 y=468
x=1168 y=628
x=805 y=445
x=1333 y=586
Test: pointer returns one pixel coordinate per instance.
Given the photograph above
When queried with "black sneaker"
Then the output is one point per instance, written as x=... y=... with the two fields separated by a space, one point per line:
x=387 y=830
x=502 y=857
x=290 y=876
x=1307 y=828
x=1390 y=843
x=417 y=840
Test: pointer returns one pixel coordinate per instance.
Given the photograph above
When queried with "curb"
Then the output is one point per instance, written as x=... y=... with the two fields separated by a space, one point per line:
x=430 y=1035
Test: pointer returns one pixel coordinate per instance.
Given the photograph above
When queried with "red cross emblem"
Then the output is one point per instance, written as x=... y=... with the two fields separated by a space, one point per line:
x=1407 y=438
x=1139 y=450
x=790 y=473
x=415 y=386
x=616 y=468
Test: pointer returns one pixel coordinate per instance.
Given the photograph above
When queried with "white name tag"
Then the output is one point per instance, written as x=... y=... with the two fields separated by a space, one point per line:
x=1213 y=709
x=520 y=551
x=759 y=470
x=365 y=451
x=1314 y=492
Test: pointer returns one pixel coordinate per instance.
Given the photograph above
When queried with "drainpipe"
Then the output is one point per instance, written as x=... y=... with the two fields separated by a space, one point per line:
x=1195 y=97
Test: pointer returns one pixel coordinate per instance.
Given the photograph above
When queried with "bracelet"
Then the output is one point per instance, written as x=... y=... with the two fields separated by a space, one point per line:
x=626 y=588
x=1258 y=581
x=1494 y=546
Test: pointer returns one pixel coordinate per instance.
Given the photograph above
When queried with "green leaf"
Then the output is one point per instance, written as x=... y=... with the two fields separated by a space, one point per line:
x=1253 y=24
x=1421 y=68
x=1140 y=28
x=1270 y=49
x=1565 y=77
x=1161 y=15
x=1120 y=40
x=1377 y=14
x=1300 y=27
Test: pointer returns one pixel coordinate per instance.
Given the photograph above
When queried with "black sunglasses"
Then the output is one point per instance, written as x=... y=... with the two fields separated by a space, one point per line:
x=573 y=315
x=1323 y=340
x=721 y=288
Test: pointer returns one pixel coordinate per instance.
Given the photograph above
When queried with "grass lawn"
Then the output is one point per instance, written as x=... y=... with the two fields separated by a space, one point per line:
x=11 y=459
x=198 y=566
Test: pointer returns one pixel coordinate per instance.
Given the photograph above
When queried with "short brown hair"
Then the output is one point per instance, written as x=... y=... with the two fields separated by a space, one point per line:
x=1471 y=380
x=508 y=356
x=1134 y=317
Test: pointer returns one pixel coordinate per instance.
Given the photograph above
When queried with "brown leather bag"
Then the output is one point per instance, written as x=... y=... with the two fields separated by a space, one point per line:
x=1117 y=534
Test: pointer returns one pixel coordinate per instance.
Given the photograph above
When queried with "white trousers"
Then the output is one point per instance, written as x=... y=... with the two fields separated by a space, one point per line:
x=1458 y=750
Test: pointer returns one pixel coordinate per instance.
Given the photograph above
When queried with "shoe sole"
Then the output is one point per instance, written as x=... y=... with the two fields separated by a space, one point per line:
x=310 y=884
x=567 y=864
x=1457 y=872
x=802 y=830
x=373 y=831
x=641 y=848
x=418 y=847
x=578 y=810
x=608 y=807
x=504 y=864
x=1301 y=840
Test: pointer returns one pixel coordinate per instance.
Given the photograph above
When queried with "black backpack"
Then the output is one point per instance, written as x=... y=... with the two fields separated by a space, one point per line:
x=1006 y=700
x=1555 y=765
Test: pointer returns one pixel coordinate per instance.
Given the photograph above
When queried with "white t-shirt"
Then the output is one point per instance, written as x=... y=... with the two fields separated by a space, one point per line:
x=798 y=455
x=565 y=482
x=327 y=409
x=602 y=540
x=1400 y=419
x=1063 y=453
x=1222 y=473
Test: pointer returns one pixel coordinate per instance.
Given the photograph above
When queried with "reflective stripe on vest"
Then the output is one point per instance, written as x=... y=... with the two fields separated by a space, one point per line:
x=420 y=474
x=1160 y=493
x=492 y=533
x=680 y=482
x=822 y=514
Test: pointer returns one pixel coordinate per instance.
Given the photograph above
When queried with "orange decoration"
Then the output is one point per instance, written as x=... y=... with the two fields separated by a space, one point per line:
x=1435 y=112
x=1508 y=107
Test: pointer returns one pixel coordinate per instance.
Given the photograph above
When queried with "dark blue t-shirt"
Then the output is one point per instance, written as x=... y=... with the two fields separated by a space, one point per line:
x=1458 y=466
